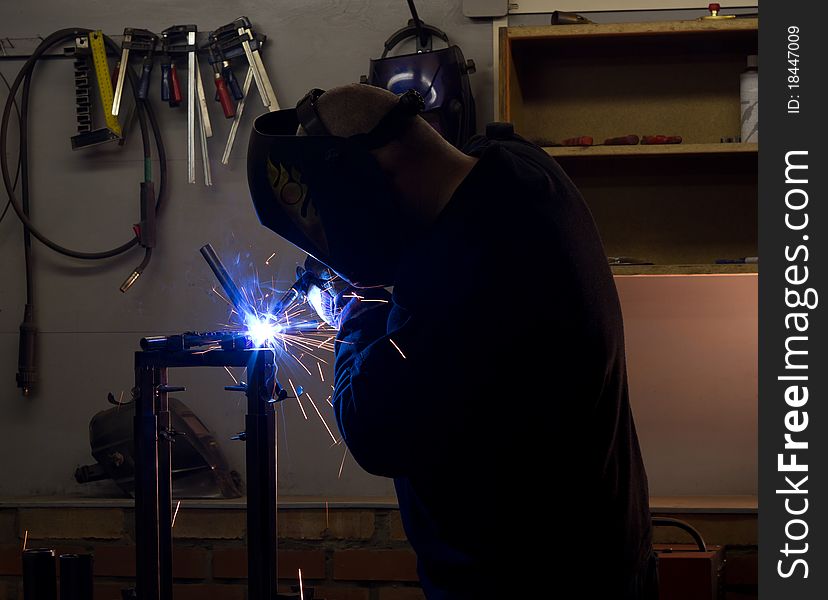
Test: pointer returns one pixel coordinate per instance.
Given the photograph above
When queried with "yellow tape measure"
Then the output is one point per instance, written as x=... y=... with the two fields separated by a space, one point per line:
x=96 y=43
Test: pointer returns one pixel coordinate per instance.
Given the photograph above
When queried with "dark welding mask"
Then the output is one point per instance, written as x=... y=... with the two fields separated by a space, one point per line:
x=327 y=194
x=440 y=76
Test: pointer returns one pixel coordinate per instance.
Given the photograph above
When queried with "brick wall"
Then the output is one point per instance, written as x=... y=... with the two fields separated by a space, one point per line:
x=344 y=553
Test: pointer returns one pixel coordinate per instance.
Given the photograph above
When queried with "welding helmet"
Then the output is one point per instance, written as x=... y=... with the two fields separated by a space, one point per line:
x=328 y=194
x=440 y=76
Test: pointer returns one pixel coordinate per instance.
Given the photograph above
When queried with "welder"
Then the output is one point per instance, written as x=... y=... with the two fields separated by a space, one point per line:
x=490 y=384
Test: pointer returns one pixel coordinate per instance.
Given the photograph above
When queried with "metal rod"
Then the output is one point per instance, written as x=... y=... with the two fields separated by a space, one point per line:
x=260 y=427
x=252 y=62
x=119 y=86
x=164 y=452
x=227 y=283
x=234 y=127
x=272 y=104
x=191 y=82
x=202 y=102
x=204 y=129
x=147 y=562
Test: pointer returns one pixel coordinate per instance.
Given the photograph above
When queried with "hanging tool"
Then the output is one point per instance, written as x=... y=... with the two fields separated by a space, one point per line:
x=237 y=38
x=178 y=41
x=86 y=45
x=234 y=128
x=138 y=40
x=222 y=91
x=232 y=41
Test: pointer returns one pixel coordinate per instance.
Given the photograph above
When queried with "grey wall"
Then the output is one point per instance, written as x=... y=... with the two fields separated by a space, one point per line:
x=88 y=329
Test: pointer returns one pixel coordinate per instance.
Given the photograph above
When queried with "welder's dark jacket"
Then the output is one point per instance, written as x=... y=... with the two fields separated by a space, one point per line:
x=504 y=415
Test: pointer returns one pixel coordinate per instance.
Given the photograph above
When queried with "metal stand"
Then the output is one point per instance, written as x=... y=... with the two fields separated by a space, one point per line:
x=153 y=483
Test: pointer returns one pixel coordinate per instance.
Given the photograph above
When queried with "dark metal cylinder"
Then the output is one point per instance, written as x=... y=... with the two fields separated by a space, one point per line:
x=75 y=576
x=227 y=283
x=39 y=581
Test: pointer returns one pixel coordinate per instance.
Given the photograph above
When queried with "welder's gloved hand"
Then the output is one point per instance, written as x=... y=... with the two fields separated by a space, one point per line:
x=333 y=298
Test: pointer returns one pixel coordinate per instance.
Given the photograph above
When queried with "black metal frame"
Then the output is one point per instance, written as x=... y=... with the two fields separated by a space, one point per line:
x=153 y=483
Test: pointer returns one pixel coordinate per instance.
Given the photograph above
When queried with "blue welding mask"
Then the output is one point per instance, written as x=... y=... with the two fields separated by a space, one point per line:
x=440 y=76
x=327 y=194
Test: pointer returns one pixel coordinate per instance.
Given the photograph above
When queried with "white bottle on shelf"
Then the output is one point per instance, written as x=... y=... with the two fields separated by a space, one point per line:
x=749 y=96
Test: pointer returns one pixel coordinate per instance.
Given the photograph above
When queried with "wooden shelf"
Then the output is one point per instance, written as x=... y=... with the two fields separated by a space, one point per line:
x=684 y=269
x=633 y=29
x=682 y=206
x=650 y=150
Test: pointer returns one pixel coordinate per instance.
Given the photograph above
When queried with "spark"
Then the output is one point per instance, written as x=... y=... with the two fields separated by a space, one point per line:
x=175 y=514
x=342 y=464
x=301 y=589
x=296 y=395
x=236 y=381
x=321 y=375
x=397 y=347
x=328 y=400
x=325 y=341
x=25 y=540
x=301 y=363
x=321 y=418
x=267 y=262
x=217 y=293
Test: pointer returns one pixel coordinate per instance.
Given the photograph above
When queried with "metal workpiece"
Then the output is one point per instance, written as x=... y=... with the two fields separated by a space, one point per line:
x=153 y=502
x=228 y=285
x=76 y=576
x=39 y=580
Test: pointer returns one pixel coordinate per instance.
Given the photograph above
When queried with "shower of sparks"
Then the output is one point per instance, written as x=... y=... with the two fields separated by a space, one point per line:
x=175 y=514
x=321 y=375
x=393 y=343
x=301 y=589
x=296 y=395
x=25 y=540
x=267 y=262
x=342 y=464
x=321 y=418
x=236 y=381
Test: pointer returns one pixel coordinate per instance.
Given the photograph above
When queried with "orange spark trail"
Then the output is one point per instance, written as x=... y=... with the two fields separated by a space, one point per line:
x=397 y=347
x=296 y=395
x=267 y=262
x=236 y=381
x=301 y=589
x=342 y=464
x=25 y=540
x=175 y=514
x=321 y=418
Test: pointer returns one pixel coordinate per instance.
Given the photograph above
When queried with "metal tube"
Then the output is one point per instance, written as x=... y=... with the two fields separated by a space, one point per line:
x=260 y=427
x=227 y=283
x=75 y=576
x=39 y=582
x=234 y=128
x=191 y=83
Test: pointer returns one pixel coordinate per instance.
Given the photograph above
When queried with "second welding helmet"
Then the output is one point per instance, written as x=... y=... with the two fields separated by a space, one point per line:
x=327 y=194
x=440 y=76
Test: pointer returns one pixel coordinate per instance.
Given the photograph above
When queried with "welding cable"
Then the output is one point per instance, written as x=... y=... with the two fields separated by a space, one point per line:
x=144 y=113
x=17 y=172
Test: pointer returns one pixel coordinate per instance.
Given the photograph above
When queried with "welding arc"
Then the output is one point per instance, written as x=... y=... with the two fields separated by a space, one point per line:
x=143 y=111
